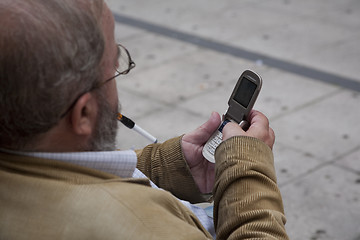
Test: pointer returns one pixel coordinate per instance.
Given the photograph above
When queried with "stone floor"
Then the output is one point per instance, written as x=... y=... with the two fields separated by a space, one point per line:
x=189 y=55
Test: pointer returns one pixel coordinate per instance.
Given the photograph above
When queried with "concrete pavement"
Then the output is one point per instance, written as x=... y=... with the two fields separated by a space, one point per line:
x=189 y=55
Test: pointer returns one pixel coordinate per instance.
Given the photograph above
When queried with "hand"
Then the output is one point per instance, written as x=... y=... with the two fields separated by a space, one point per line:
x=259 y=128
x=192 y=144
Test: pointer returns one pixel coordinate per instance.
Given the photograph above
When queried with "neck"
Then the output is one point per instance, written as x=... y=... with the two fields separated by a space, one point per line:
x=58 y=139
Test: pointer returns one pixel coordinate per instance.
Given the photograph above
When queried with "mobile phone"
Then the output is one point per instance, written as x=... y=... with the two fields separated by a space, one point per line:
x=240 y=104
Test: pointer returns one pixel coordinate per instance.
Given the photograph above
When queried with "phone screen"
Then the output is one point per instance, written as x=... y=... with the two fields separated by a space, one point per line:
x=245 y=92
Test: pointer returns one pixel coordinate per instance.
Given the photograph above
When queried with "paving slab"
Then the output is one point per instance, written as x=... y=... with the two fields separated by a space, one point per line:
x=303 y=32
x=291 y=164
x=323 y=205
x=136 y=105
x=351 y=162
x=165 y=124
x=125 y=34
x=157 y=50
x=185 y=76
x=291 y=40
x=323 y=129
x=189 y=55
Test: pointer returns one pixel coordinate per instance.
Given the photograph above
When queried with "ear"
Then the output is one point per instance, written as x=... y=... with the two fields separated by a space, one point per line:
x=84 y=115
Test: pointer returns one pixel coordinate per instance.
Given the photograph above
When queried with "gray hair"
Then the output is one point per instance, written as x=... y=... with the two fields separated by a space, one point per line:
x=50 y=53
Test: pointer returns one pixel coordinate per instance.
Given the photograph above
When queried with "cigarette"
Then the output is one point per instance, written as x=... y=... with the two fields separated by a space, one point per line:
x=131 y=124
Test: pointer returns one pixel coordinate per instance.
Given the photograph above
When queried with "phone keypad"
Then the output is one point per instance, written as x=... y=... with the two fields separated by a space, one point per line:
x=214 y=143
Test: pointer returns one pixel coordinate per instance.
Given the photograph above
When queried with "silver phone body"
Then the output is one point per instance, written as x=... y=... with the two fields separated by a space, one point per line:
x=240 y=104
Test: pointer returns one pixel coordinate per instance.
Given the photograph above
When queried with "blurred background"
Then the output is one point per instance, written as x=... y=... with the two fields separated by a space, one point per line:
x=189 y=55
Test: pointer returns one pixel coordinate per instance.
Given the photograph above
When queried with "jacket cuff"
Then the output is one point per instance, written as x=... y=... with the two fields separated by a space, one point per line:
x=166 y=166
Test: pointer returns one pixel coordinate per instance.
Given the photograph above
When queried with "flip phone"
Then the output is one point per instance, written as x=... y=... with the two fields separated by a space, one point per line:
x=240 y=104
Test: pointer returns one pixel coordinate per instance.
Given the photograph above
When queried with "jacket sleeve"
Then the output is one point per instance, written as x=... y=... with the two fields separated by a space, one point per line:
x=165 y=165
x=247 y=201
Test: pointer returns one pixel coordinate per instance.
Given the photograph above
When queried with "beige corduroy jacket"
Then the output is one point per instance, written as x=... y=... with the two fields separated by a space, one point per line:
x=47 y=199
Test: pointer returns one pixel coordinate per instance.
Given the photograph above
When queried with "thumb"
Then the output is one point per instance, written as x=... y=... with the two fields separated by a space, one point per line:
x=211 y=125
x=203 y=133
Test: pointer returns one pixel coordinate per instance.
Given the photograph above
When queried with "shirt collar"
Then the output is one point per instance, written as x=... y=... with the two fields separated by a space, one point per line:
x=120 y=163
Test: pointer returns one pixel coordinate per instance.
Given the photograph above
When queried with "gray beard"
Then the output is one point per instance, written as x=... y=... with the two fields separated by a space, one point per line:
x=104 y=136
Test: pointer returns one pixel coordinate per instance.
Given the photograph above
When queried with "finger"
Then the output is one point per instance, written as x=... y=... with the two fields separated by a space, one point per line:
x=259 y=125
x=256 y=117
x=257 y=121
x=203 y=133
x=210 y=126
x=232 y=129
x=213 y=123
x=260 y=128
x=272 y=138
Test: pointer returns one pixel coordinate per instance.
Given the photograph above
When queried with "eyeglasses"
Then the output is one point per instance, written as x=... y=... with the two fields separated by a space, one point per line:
x=124 y=63
x=123 y=66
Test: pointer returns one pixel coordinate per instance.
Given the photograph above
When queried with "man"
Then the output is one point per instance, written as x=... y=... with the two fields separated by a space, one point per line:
x=59 y=103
